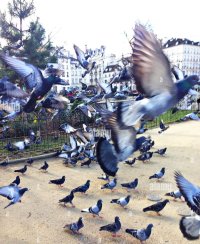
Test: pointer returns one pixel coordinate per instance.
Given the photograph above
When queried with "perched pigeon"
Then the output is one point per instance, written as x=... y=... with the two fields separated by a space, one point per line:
x=75 y=227
x=13 y=193
x=16 y=181
x=45 y=166
x=22 y=170
x=68 y=199
x=95 y=210
x=157 y=207
x=161 y=151
x=130 y=185
x=113 y=228
x=174 y=194
x=141 y=234
x=110 y=185
x=158 y=175
x=58 y=181
x=123 y=201
x=190 y=192
x=190 y=227
x=82 y=188
x=152 y=74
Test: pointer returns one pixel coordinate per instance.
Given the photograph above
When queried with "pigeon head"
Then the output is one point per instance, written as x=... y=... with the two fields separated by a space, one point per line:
x=150 y=226
x=136 y=180
x=166 y=201
x=128 y=197
x=117 y=219
x=23 y=190
x=193 y=79
x=88 y=182
x=163 y=170
x=115 y=180
x=63 y=177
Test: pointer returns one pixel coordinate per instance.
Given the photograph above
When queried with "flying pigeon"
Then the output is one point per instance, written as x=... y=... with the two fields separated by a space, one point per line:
x=157 y=207
x=12 y=193
x=152 y=74
x=158 y=175
x=190 y=192
x=75 y=227
x=82 y=188
x=190 y=227
x=22 y=170
x=113 y=228
x=68 y=199
x=110 y=185
x=94 y=210
x=45 y=166
x=123 y=201
x=58 y=181
x=141 y=234
x=130 y=185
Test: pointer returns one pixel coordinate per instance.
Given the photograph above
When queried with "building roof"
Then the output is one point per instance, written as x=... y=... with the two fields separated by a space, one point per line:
x=179 y=41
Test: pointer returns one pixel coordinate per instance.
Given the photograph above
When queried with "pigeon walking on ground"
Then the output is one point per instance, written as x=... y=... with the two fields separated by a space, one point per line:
x=190 y=227
x=86 y=163
x=123 y=201
x=157 y=207
x=141 y=234
x=163 y=127
x=174 y=194
x=58 y=182
x=16 y=181
x=113 y=228
x=68 y=199
x=94 y=210
x=130 y=162
x=22 y=170
x=130 y=185
x=45 y=166
x=12 y=193
x=75 y=227
x=190 y=192
x=82 y=188
x=110 y=185
x=30 y=161
x=158 y=175
x=146 y=156
x=161 y=151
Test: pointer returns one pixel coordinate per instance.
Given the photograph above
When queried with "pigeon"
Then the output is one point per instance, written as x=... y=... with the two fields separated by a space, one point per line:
x=123 y=201
x=157 y=207
x=45 y=166
x=152 y=74
x=141 y=234
x=161 y=151
x=16 y=181
x=94 y=210
x=104 y=177
x=67 y=128
x=22 y=170
x=4 y=163
x=12 y=193
x=68 y=199
x=145 y=156
x=163 y=127
x=158 y=175
x=113 y=228
x=82 y=188
x=58 y=181
x=86 y=163
x=131 y=185
x=174 y=194
x=190 y=227
x=130 y=162
x=30 y=161
x=32 y=135
x=190 y=192
x=75 y=227
x=22 y=145
x=110 y=185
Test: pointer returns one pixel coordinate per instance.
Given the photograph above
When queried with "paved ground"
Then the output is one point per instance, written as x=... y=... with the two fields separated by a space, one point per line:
x=40 y=219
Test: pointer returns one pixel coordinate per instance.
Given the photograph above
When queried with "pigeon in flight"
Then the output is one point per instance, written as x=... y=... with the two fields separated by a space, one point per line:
x=190 y=192
x=58 y=182
x=110 y=185
x=22 y=170
x=68 y=199
x=123 y=201
x=158 y=175
x=152 y=74
x=190 y=227
x=45 y=166
x=75 y=227
x=12 y=193
x=141 y=234
x=94 y=210
x=157 y=207
x=113 y=228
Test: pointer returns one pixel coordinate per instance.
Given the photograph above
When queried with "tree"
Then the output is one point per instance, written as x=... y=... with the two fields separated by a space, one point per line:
x=30 y=43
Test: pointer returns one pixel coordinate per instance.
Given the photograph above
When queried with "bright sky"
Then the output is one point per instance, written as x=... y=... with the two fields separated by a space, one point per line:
x=103 y=22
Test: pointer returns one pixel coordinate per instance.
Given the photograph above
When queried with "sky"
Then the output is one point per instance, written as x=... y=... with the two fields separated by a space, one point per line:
x=104 y=22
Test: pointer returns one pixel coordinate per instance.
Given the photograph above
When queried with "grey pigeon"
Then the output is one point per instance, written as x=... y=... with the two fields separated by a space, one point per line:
x=123 y=201
x=113 y=228
x=141 y=234
x=190 y=227
x=75 y=227
x=94 y=210
x=158 y=175
x=174 y=194
x=110 y=185
x=190 y=192
x=12 y=193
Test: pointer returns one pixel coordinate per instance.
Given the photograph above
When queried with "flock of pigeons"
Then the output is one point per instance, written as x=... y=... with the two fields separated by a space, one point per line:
x=153 y=76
